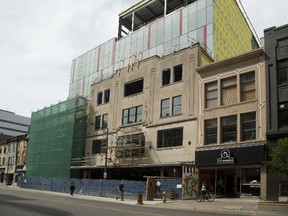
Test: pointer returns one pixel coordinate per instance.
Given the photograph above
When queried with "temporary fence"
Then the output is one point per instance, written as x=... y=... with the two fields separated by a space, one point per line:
x=98 y=187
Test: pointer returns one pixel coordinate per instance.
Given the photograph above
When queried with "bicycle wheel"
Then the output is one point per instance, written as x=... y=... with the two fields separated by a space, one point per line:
x=210 y=197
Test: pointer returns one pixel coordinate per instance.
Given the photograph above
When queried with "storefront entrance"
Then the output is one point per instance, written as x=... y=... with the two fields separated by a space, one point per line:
x=232 y=182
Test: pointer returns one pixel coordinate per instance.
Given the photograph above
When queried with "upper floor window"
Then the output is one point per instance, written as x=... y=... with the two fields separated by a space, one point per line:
x=106 y=96
x=176 y=105
x=96 y=146
x=210 y=131
x=282 y=72
x=177 y=73
x=132 y=115
x=101 y=124
x=229 y=128
x=165 y=107
x=247 y=85
x=99 y=98
x=170 y=138
x=133 y=87
x=98 y=122
x=248 y=126
x=103 y=98
x=211 y=94
x=229 y=91
x=166 y=73
x=105 y=121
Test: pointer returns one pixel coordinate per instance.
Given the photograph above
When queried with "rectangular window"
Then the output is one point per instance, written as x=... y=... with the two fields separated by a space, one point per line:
x=105 y=121
x=133 y=87
x=97 y=122
x=210 y=131
x=132 y=115
x=106 y=96
x=211 y=94
x=229 y=91
x=165 y=107
x=248 y=126
x=177 y=105
x=177 y=73
x=96 y=146
x=166 y=73
x=282 y=72
x=170 y=138
x=99 y=98
x=125 y=116
x=283 y=115
x=247 y=86
x=229 y=129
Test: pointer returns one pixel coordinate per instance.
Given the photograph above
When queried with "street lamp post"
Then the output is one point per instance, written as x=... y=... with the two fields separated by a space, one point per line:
x=106 y=131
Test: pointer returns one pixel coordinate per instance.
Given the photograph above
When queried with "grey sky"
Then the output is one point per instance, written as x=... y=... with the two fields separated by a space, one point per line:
x=40 y=38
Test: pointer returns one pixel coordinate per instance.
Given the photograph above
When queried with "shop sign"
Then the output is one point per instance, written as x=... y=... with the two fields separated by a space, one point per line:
x=225 y=157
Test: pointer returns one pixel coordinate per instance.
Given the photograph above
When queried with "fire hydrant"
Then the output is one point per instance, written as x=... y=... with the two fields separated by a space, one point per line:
x=164 y=197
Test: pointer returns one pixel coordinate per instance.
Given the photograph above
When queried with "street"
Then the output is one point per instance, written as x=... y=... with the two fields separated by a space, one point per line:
x=15 y=201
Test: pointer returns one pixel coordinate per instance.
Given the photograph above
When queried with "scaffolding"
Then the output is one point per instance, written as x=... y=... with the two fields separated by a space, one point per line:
x=57 y=136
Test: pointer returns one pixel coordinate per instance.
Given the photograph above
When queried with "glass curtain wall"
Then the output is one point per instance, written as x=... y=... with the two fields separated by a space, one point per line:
x=177 y=30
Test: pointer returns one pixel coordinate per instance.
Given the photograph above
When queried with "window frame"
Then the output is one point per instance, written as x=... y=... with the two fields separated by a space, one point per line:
x=166 y=76
x=98 y=122
x=106 y=97
x=225 y=87
x=165 y=108
x=246 y=130
x=176 y=105
x=177 y=73
x=226 y=129
x=169 y=138
x=209 y=128
x=245 y=83
x=137 y=115
x=99 y=98
x=214 y=88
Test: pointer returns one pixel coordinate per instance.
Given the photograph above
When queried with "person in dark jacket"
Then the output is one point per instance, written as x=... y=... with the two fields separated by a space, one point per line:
x=121 y=190
x=72 y=188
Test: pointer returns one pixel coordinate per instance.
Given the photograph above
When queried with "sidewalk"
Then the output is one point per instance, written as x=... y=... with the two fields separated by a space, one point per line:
x=244 y=206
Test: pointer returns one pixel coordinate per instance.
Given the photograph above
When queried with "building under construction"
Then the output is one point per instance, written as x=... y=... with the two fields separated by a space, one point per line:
x=57 y=138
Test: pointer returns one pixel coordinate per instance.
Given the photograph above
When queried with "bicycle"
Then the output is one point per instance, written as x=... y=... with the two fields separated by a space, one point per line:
x=208 y=196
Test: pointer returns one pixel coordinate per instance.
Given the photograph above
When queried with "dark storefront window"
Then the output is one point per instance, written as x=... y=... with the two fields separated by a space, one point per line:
x=248 y=126
x=229 y=128
x=170 y=138
x=210 y=131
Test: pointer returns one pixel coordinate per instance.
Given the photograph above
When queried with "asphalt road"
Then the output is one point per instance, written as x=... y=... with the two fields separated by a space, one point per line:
x=14 y=202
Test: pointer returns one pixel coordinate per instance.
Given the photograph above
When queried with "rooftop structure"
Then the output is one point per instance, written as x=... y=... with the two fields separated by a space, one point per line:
x=161 y=27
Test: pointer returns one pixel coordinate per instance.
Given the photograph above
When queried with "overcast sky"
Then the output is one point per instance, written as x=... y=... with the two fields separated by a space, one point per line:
x=40 y=38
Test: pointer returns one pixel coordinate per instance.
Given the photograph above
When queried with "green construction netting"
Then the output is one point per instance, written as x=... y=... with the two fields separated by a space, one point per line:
x=57 y=137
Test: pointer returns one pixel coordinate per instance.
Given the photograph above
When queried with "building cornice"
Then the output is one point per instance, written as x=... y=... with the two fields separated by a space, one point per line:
x=231 y=61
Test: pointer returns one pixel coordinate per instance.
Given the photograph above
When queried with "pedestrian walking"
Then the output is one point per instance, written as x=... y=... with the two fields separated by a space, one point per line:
x=72 y=188
x=121 y=190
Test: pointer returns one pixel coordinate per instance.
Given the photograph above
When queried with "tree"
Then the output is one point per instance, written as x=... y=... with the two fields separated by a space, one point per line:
x=279 y=157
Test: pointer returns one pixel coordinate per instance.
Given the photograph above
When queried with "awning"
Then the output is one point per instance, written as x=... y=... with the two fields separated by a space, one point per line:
x=253 y=153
